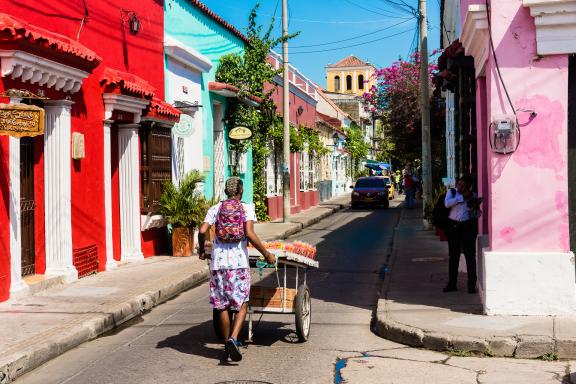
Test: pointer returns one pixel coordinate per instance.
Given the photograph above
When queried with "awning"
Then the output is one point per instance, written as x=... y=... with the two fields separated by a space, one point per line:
x=14 y=30
x=228 y=90
x=127 y=82
x=159 y=109
x=377 y=166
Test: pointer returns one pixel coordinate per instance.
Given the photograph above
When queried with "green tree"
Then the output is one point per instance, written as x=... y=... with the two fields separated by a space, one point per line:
x=356 y=146
x=251 y=72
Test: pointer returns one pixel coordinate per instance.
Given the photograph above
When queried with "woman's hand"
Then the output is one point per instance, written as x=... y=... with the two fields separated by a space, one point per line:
x=270 y=258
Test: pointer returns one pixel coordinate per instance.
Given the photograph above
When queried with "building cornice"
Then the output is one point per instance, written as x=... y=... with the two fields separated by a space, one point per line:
x=130 y=104
x=475 y=36
x=186 y=55
x=555 y=22
x=37 y=70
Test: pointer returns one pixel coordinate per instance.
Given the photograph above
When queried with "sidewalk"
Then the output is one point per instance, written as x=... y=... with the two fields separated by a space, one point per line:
x=35 y=329
x=413 y=310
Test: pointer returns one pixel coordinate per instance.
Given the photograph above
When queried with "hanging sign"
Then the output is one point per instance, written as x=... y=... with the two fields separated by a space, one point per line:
x=185 y=128
x=19 y=120
x=240 y=133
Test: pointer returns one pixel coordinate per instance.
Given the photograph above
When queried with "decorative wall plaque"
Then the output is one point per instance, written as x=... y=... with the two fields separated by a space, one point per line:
x=19 y=120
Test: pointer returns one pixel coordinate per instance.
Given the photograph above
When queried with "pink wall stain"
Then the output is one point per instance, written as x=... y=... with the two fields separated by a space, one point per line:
x=540 y=137
x=524 y=214
x=508 y=234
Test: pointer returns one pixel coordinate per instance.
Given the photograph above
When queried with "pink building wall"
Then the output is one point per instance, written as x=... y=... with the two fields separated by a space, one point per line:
x=528 y=189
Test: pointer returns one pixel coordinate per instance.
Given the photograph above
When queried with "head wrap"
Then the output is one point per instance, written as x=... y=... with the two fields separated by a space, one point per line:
x=233 y=186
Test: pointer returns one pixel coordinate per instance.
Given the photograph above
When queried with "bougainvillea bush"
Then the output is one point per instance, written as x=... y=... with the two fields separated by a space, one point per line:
x=396 y=98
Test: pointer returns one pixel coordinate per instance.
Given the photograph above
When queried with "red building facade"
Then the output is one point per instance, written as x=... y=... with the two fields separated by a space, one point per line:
x=74 y=196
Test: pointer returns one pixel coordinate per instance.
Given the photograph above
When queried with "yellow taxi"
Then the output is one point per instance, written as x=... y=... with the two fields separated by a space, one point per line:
x=390 y=186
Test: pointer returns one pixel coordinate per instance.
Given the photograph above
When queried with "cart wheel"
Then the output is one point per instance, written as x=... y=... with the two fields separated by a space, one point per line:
x=216 y=323
x=303 y=313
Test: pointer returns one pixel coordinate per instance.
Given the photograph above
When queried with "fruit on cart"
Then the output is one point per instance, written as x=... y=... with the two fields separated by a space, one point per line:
x=298 y=247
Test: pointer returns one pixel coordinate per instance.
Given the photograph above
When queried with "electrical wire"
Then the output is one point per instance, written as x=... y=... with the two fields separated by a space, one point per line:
x=83 y=20
x=495 y=58
x=371 y=10
x=354 y=37
x=403 y=6
x=354 y=45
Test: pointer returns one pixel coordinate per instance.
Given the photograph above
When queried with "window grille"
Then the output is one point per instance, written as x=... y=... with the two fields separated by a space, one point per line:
x=155 y=164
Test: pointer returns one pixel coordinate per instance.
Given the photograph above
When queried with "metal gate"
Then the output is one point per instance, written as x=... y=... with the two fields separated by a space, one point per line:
x=27 y=205
x=219 y=169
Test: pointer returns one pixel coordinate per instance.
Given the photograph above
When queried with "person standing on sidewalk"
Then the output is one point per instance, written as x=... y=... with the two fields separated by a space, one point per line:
x=409 y=186
x=229 y=262
x=462 y=231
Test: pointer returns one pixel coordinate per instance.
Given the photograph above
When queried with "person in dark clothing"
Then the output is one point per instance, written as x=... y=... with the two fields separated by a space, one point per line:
x=462 y=231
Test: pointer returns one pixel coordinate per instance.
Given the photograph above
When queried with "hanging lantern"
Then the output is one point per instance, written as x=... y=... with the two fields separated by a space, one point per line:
x=134 y=23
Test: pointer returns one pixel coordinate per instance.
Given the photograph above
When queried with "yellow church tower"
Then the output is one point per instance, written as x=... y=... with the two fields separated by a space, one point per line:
x=350 y=76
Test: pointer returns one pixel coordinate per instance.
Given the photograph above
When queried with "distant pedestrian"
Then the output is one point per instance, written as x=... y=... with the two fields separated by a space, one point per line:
x=409 y=186
x=397 y=181
x=229 y=263
x=462 y=230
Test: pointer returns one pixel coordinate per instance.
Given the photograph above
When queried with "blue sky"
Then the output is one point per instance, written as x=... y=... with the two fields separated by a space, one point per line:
x=331 y=21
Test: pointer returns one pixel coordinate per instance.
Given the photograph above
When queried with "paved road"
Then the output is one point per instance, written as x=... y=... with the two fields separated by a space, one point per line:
x=174 y=343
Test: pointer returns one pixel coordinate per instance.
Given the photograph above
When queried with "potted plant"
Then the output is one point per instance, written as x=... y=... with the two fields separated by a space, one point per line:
x=183 y=206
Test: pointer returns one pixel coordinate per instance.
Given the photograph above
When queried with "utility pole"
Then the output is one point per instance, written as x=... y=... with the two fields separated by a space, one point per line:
x=286 y=114
x=425 y=109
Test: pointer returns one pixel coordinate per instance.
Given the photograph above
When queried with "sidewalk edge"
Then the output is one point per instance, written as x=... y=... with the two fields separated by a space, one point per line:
x=517 y=346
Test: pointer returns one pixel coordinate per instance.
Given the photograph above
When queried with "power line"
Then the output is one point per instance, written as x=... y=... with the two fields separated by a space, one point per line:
x=354 y=45
x=402 y=7
x=371 y=10
x=349 y=22
x=354 y=37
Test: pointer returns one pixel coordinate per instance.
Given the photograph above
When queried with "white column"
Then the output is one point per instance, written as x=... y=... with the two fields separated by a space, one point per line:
x=110 y=262
x=129 y=172
x=17 y=285
x=57 y=185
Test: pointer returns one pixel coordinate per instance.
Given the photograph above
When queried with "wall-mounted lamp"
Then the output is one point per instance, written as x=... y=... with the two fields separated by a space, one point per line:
x=134 y=23
x=130 y=17
x=300 y=110
x=336 y=138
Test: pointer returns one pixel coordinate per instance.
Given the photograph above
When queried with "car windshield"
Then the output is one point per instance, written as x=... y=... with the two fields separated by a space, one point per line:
x=370 y=183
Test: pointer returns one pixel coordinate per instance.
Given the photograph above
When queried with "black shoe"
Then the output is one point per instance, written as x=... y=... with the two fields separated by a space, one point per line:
x=449 y=288
x=233 y=349
x=472 y=290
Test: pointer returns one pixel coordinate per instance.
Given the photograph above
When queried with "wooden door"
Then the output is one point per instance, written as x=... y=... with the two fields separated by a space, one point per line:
x=27 y=205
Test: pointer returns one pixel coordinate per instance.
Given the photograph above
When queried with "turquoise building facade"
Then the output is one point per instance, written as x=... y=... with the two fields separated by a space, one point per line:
x=195 y=40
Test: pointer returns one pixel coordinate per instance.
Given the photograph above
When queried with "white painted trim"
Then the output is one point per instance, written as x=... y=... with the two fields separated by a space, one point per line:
x=130 y=104
x=129 y=181
x=186 y=55
x=38 y=70
x=17 y=285
x=475 y=36
x=110 y=262
x=555 y=22
x=57 y=186
x=529 y=283
x=152 y=221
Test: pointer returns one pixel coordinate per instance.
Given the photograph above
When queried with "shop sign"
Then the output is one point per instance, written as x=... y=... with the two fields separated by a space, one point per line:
x=18 y=120
x=184 y=128
x=240 y=133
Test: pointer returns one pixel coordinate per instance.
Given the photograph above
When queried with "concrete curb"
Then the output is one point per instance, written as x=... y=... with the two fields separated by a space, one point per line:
x=518 y=346
x=15 y=365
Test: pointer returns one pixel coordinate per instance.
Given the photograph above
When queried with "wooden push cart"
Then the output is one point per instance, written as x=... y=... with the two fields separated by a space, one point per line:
x=284 y=298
